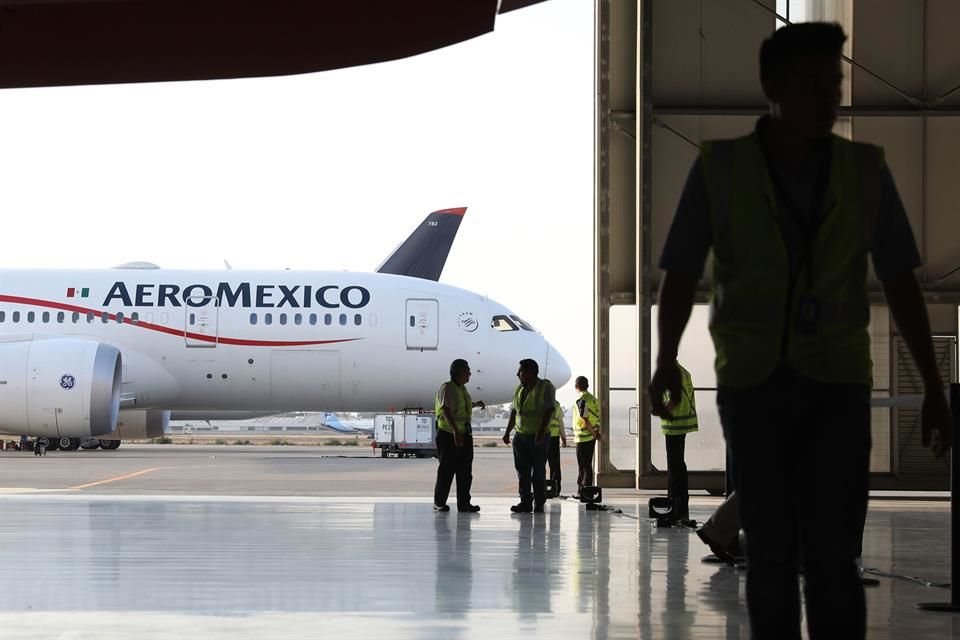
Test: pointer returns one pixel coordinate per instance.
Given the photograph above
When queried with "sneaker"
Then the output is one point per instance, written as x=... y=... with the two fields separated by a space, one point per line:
x=717 y=549
x=470 y=508
x=441 y=508
x=523 y=507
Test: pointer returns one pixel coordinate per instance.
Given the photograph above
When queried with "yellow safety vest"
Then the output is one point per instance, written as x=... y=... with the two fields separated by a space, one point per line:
x=530 y=411
x=580 y=431
x=817 y=325
x=683 y=418
x=461 y=411
x=556 y=423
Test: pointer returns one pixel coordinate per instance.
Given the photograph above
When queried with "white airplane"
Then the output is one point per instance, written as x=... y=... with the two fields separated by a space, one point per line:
x=110 y=353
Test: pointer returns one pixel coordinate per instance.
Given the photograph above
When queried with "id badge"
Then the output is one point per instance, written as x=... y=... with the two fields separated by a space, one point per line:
x=808 y=315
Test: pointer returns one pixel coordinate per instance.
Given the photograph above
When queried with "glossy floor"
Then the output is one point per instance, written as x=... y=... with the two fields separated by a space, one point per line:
x=133 y=566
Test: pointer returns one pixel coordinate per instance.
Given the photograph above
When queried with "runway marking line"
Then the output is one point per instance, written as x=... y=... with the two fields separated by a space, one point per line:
x=115 y=479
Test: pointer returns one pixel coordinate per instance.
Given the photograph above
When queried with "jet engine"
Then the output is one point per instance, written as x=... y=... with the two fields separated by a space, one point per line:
x=140 y=425
x=64 y=387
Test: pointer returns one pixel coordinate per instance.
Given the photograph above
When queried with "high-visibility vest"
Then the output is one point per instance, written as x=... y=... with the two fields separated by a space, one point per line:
x=530 y=411
x=461 y=411
x=683 y=415
x=592 y=410
x=760 y=319
x=556 y=422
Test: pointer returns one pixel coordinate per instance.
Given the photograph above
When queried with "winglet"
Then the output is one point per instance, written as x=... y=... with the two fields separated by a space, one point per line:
x=424 y=253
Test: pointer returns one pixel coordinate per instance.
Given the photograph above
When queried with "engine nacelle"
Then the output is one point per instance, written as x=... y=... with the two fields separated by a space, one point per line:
x=140 y=425
x=64 y=387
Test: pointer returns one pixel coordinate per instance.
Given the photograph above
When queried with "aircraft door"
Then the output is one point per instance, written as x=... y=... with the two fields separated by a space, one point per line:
x=202 y=318
x=421 y=321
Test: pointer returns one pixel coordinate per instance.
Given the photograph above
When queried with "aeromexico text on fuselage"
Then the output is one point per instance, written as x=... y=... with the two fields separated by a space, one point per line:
x=242 y=294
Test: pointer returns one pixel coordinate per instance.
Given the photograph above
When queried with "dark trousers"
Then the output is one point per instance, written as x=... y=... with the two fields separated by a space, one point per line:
x=454 y=461
x=530 y=460
x=677 y=485
x=585 y=464
x=553 y=458
x=800 y=455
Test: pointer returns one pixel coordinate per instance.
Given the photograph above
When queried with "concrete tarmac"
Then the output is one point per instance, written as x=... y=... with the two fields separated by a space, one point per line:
x=217 y=542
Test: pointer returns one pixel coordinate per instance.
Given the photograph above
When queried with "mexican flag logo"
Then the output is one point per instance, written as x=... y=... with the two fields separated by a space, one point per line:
x=73 y=292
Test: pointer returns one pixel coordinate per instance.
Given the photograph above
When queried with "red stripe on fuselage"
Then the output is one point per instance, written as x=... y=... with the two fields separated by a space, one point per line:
x=180 y=333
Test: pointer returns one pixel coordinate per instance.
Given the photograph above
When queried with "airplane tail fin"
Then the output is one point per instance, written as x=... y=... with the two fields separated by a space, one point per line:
x=424 y=253
x=331 y=421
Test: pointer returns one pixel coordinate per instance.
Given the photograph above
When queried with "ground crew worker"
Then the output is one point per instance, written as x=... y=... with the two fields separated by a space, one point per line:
x=586 y=432
x=531 y=412
x=790 y=213
x=557 y=439
x=681 y=421
x=453 y=409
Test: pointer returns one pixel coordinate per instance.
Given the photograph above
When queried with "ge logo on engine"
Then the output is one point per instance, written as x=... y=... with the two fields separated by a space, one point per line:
x=67 y=381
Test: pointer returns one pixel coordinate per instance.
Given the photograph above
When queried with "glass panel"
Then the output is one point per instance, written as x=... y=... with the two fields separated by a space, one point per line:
x=623 y=444
x=526 y=326
x=705 y=450
x=502 y=323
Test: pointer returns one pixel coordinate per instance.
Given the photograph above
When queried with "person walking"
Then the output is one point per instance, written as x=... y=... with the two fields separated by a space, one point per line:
x=791 y=213
x=531 y=412
x=453 y=408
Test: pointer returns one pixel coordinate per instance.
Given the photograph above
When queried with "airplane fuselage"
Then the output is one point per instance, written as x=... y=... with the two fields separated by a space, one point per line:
x=270 y=340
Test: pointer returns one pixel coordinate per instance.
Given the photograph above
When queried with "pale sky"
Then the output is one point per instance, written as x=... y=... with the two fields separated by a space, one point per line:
x=331 y=170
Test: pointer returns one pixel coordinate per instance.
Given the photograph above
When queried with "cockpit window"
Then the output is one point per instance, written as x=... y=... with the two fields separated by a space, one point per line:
x=526 y=326
x=503 y=323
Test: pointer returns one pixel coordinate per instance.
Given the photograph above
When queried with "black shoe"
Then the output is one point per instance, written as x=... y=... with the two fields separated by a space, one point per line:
x=441 y=508
x=470 y=508
x=523 y=507
x=717 y=549
x=538 y=508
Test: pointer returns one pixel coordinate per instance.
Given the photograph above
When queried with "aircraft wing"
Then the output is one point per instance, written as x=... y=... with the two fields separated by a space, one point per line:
x=71 y=42
x=424 y=253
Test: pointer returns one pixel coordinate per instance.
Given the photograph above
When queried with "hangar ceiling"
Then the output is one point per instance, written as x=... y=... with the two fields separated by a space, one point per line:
x=673 y=73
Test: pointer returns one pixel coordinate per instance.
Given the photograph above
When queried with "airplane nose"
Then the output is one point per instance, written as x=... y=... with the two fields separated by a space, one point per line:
x=558 y=371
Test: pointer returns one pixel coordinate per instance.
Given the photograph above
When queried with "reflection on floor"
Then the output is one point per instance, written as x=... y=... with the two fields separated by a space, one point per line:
x=160 y=567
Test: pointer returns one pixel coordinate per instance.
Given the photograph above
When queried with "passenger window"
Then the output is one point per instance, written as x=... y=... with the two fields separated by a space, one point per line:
x=120 y=317
x=3 y=316
x=327 y=319
x=343 y=319
x=357 y=319
x=60 y=316
x=193 y=319
x=105 y=317
x=503 y=323
x=253 y=318
x=268 y=318
x=31 y=316
x=75 y=317
x=164 y=317
x=45 y=317
x=134 y=317
x=313 y=318
x=297 y=319
x=283 y=318
x=16 y=316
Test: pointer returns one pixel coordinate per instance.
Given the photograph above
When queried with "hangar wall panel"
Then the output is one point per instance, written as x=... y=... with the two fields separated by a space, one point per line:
x=695 y=78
